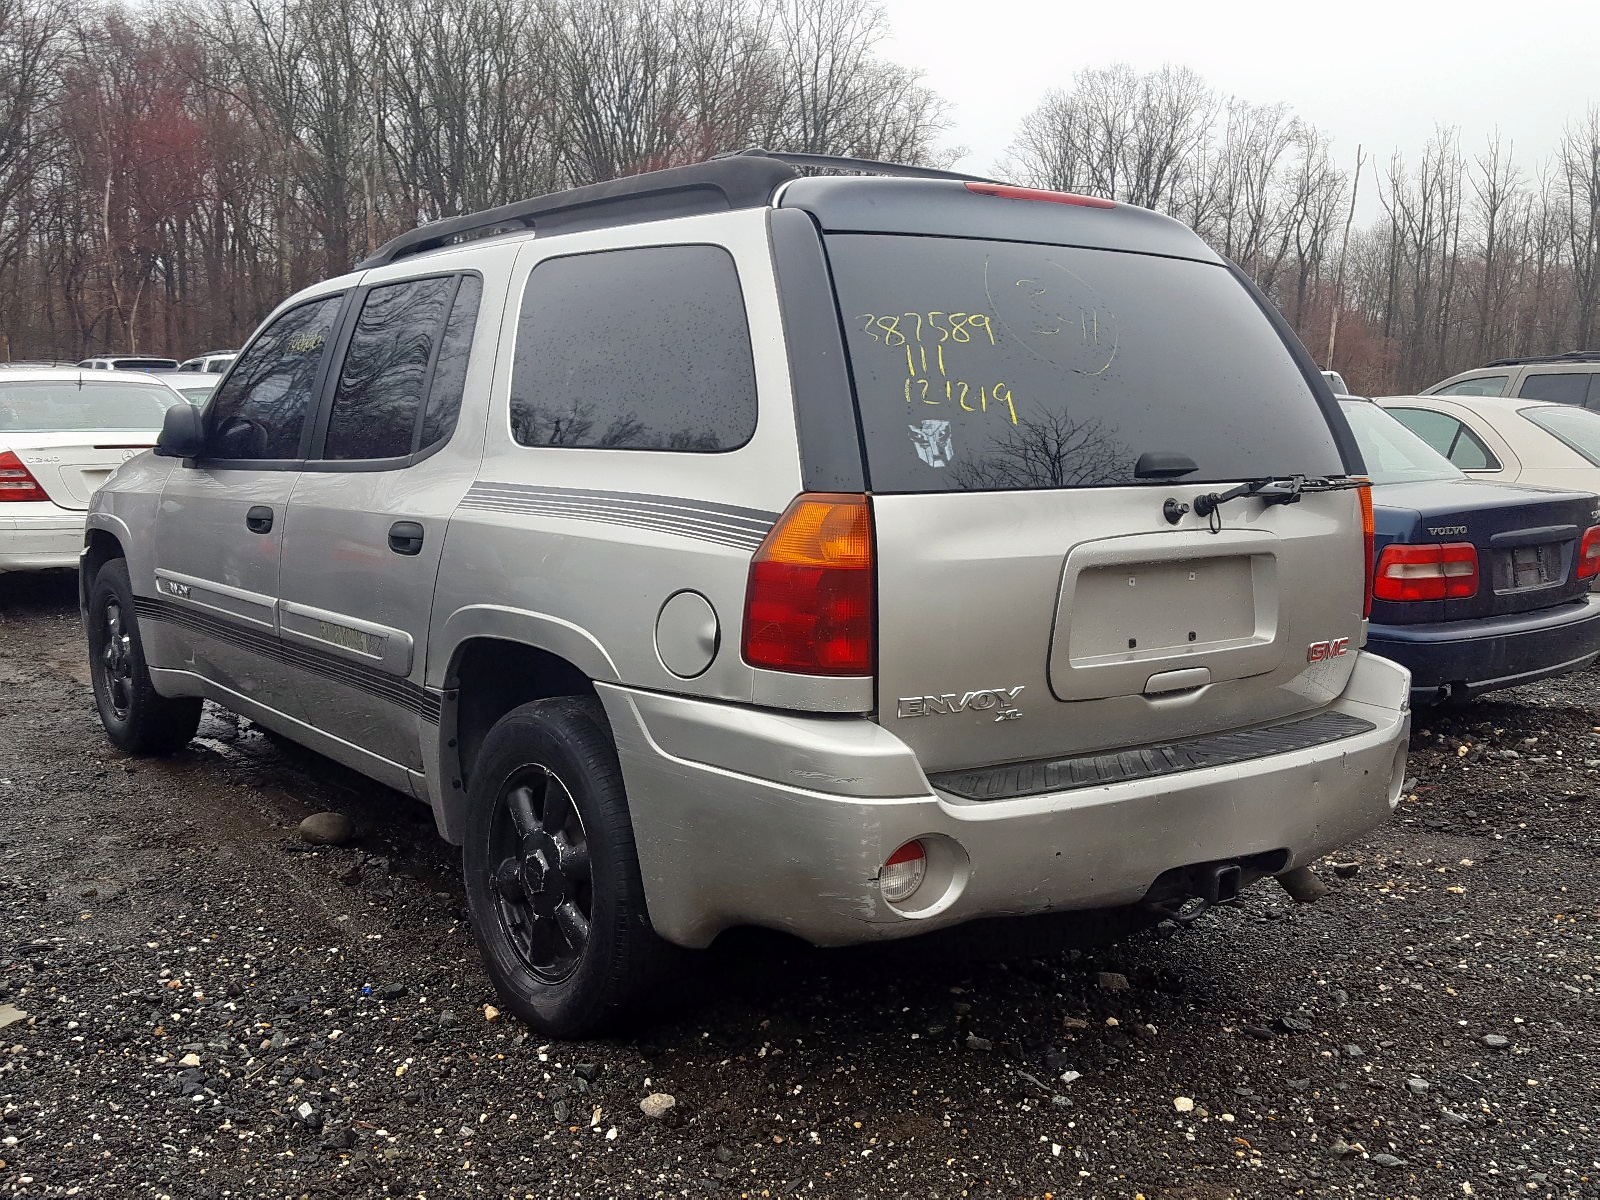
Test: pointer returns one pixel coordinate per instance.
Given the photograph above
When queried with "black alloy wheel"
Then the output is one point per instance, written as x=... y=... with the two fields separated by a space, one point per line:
x=541 y=873
x=116 y=659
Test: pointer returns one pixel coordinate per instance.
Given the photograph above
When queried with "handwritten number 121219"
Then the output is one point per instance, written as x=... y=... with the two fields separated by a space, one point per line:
x=893 y=330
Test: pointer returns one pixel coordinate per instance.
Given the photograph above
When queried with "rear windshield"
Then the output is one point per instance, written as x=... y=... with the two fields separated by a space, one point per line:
x=987 y=365
x=1577 y=427
x=1392 y=453
x=67 y=406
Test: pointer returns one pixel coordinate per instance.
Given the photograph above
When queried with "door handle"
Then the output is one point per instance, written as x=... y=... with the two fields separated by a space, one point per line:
x=258 y=519
x=405 y=537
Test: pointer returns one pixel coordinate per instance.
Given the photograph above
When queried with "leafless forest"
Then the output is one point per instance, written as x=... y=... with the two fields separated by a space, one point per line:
x=168 y=173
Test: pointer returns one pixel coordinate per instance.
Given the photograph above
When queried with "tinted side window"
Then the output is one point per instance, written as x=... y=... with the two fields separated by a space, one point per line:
x=385 y=370
x=1563 y=387
x=450 y=369
x=643 y=349
x=1449 y=437
x=1483 y=385
x=260 y=409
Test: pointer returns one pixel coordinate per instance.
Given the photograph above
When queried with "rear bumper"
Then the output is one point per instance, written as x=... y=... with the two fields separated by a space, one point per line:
x=1472 y=657
x=39 y=536
x=723 y=842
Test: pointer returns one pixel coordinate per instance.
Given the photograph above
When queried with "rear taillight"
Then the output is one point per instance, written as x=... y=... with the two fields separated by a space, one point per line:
x=16 y=481
x=808 y=606
x=1447 y=572
x=1589 y=554
x=1368 y=536
x=1007 y=191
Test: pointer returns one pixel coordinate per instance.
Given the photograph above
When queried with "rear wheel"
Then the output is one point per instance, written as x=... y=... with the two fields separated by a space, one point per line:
x=137 y=718
x=552 y=876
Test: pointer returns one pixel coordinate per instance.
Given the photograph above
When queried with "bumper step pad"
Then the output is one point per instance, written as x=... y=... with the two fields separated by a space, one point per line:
x=1011 y=780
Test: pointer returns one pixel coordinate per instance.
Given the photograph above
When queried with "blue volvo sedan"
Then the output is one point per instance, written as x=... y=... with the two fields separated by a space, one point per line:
x=1475 y=585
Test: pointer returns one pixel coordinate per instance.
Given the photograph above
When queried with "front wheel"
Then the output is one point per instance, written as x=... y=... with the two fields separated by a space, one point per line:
x=137 y=718
x=552 y=876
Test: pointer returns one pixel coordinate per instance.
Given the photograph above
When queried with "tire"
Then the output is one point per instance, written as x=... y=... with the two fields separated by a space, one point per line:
x=552 y=875
x=137 y=718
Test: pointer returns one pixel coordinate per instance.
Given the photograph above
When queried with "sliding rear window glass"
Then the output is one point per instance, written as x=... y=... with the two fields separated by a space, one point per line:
x=986 y=365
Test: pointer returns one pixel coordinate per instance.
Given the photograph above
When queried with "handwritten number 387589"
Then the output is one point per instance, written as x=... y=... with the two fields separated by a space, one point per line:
x=898 y=329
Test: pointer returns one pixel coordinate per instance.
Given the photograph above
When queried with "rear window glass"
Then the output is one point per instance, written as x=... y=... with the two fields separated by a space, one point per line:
x=1391 y=452
x=984 y=365
x=1577 y=427
x=67 y=406
x=641 y=349
x=1481 y=385
x=1563 y=387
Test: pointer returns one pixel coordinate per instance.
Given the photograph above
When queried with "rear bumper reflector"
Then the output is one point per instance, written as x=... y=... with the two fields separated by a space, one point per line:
x=1011 y=780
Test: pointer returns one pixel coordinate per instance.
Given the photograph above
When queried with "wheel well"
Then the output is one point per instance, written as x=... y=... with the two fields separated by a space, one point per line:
x=489 y=679
x=100 y=548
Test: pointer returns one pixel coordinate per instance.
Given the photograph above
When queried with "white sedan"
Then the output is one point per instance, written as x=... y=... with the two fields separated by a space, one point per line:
x=1507 y=438
x=62 y=433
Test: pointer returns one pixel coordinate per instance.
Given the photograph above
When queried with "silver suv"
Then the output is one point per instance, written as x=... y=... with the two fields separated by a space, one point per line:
x=1563 y=378
x=847 y=556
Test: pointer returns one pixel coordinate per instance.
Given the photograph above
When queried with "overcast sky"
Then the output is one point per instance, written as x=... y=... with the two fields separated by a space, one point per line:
x=1381 y=74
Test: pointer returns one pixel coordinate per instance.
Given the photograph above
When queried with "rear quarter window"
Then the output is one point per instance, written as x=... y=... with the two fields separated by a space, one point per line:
x=987 y=365
x=638 y=349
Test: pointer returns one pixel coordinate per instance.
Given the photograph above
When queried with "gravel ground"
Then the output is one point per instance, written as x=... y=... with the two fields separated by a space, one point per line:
x=213 y=1008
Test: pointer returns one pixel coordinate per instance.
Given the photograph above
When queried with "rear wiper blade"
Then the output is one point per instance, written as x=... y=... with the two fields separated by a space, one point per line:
x=1273 y=489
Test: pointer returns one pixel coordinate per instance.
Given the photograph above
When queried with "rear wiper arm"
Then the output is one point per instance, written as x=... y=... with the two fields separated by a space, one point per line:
x=1273 y=489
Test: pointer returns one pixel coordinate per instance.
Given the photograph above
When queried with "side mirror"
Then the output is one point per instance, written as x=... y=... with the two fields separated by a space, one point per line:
x=181 y=433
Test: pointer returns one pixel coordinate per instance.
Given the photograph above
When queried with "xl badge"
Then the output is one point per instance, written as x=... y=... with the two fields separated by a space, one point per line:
x=1000 y=701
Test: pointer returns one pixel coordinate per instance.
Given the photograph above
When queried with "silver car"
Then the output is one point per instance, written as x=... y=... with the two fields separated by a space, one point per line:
x=853 y=557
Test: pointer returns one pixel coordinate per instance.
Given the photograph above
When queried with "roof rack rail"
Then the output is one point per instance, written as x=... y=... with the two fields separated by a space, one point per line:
x=837 y=162
x=716 y=186
x=1572 y=356
x=737 y=179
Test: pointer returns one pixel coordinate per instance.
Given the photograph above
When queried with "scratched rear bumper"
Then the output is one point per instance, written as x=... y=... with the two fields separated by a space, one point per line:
x=750 y=817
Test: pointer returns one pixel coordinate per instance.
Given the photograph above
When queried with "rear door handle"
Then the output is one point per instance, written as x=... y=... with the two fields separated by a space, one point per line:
x=258 y=519
x=405 y=537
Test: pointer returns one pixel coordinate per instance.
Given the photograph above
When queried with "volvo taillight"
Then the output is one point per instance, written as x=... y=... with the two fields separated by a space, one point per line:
x=16 y=481
x=1435 y=572
x=809 y=601
x=1589 y=554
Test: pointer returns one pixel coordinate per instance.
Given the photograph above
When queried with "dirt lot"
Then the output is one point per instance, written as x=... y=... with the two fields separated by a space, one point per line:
x=193 y=977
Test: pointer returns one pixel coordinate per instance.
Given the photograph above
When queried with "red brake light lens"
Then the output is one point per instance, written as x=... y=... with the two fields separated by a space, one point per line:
x=1007 y=191
x=16 y=481
x=809 y=601
x=1443 y=572
x=1589 y=554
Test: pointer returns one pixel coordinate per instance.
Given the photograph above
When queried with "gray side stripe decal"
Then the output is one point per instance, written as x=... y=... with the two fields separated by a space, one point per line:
x=381 y=684
x=724 y=524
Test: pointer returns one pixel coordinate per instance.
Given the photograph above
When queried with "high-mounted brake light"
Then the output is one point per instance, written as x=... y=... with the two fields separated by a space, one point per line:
x=1589 y=554
x=16 y=481
x=809 y=601
x=1436 y=572
x=1368 y=538
x=1008 y=191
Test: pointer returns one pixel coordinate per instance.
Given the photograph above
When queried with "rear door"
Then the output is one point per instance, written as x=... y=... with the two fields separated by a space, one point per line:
x=1033 y=598
x=367 y=521
x=220 y=532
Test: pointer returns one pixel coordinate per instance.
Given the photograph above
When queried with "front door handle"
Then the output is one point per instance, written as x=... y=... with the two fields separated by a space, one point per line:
x=258 y=519
x=405 y=537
